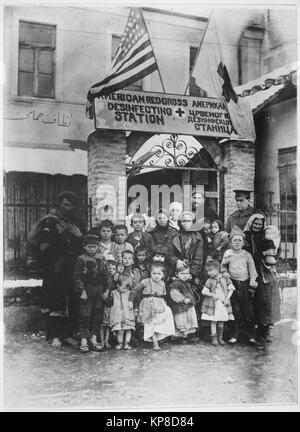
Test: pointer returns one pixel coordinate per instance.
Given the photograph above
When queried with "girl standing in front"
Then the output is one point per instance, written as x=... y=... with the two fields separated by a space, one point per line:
x=153 y=310
x=216 y=306
x=182 y=303
x=122 y=319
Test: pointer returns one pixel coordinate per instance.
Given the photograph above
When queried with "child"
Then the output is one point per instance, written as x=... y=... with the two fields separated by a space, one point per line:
x=111 y=266
x=206 y=236
x=270 y=246
x=122 y=319
x=153 y=311
x=121 y=233
x=91 y=285
x=243 y=274
x=106 y=245
x=139 y=236
x=216 y=306
x=219 y=240
x=141 y=255
x=182 y=303
x=159 y=255
x=129 y=270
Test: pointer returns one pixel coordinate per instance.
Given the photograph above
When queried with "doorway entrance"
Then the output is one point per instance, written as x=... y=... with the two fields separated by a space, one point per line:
x=169 y=168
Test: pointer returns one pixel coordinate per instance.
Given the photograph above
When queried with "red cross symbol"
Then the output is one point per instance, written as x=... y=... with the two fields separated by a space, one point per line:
x=180 y=112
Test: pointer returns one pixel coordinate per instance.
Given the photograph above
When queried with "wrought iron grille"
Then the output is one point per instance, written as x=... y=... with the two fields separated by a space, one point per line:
x=173 y=152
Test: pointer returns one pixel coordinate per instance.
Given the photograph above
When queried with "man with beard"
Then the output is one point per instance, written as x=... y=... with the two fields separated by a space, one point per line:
x=54 y=243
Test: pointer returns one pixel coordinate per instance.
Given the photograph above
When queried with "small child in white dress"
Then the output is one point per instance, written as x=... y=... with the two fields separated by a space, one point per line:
x=153 y=310
x=216 y=306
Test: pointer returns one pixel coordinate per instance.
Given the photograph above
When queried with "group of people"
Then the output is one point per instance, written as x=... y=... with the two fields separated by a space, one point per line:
x=155 y=282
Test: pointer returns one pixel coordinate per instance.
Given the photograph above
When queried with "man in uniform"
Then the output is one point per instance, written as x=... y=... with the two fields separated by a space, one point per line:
x=243 y=212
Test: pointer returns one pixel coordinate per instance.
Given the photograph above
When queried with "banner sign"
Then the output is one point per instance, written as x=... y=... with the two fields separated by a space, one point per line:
x=162 y=113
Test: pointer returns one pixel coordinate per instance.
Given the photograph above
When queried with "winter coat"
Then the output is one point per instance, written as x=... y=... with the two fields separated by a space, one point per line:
x=188 y=246
x=208 y=305
x=186 y=290
x=146 y=241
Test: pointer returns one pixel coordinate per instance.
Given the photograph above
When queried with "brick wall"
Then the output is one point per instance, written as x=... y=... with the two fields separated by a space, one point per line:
x=107 y=171
x=239 y=159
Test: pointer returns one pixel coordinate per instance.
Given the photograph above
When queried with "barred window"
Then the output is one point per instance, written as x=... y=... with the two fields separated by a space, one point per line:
x=36 y=70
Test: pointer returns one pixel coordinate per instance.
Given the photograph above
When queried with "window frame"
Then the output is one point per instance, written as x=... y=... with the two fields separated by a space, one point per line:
x=38 y=48
x=250 y=33
x=38 y=18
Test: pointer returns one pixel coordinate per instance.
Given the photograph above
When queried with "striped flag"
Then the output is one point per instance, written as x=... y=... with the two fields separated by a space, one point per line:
x=133 y=61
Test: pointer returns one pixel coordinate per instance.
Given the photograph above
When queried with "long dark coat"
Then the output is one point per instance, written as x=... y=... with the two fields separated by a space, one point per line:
x=188 y=246
x=57 y=262
x=267 y=296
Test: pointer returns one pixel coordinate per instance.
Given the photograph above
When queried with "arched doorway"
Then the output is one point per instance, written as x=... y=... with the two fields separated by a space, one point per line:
x=164 y=168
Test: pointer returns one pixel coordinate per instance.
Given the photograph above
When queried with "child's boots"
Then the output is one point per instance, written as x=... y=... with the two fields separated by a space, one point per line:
x=214 y=340
x=220 y=331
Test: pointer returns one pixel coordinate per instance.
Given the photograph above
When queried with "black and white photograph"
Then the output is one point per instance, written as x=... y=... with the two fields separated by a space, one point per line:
x=149 y=207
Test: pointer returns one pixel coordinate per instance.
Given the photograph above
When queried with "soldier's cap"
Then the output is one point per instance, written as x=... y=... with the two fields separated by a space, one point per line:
x=241 y=193
x=91 y=239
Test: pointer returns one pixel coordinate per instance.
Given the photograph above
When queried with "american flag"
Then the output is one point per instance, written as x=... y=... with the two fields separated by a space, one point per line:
x=133 y=61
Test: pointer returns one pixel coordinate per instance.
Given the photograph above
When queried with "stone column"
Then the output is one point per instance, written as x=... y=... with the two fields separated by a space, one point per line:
x=239 y=161
x=107 y=173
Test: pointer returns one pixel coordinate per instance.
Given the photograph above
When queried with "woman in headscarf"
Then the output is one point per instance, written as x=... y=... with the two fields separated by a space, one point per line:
x=162 y=233
x=175 y=214
x=265 y=251
x=188 y=245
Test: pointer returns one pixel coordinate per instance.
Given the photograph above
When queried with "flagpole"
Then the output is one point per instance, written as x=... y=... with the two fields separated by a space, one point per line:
x=141 y=12
x=198 y=51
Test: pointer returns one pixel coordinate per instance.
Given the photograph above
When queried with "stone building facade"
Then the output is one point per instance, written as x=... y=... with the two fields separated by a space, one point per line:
x=258 y=41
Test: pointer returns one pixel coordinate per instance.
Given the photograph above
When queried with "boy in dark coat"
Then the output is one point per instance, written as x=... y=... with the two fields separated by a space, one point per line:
x=91 y=285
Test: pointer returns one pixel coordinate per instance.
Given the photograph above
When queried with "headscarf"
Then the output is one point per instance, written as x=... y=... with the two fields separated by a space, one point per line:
x=252 y=218
x=176 y=206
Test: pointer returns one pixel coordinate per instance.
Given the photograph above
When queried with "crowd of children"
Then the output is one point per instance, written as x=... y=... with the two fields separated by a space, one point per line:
x=165 y=281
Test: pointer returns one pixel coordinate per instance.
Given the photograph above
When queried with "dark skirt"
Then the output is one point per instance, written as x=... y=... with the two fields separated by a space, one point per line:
x=267 y=302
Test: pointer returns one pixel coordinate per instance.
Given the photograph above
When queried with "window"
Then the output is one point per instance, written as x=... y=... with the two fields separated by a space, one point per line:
x=36 y=60
x=287 y=177
x=250 y=53
x=195 y=90
x=116 y=40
